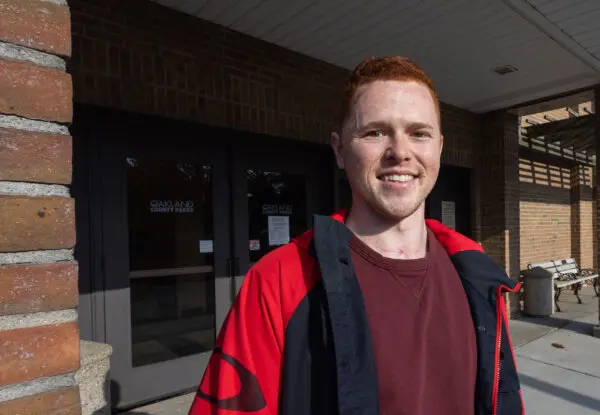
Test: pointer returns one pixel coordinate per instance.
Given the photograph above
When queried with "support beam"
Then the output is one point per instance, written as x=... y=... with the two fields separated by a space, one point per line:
x=597 y=198
x=568 y=125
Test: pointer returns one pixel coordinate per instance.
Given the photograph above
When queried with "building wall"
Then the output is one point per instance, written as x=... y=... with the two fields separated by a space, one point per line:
x=555 y=210
x=141 y=57
x=583 y=249
x=39 y=334
x=545 y=209
x=498 y=187
x=583 y=231
x=557 y=207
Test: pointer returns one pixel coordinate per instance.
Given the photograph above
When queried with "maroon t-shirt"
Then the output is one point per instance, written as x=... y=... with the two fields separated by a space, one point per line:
x=422 y=332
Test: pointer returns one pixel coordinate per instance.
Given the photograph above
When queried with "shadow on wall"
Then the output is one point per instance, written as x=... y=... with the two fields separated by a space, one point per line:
x=543 y=182
x=556 y=210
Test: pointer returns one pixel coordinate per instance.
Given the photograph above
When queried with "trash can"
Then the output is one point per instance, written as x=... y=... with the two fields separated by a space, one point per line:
x=538 y=292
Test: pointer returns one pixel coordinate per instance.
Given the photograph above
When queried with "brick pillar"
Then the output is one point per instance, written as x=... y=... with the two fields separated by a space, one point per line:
x=39 y=336
x=582 y=233
x=597 y=193
x=498 y=170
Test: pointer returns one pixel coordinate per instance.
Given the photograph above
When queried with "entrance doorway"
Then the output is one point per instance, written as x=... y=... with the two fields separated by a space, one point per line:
x=174 y=215
x=450 y=200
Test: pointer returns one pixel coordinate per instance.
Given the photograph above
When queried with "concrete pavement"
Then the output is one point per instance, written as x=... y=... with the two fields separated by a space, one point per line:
x=557 y=358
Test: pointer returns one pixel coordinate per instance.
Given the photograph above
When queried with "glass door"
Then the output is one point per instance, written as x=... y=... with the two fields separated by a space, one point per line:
x=167 y=246
x=179 y=214
x=171 y=262
x=277 y=189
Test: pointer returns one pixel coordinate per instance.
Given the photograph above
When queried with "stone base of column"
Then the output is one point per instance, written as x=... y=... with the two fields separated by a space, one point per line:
x=93 y=378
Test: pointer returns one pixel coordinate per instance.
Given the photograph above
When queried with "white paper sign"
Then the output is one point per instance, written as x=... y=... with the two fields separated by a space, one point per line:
x=279 y=230
x=206 y=246
x=254 y=244
x=449 y=214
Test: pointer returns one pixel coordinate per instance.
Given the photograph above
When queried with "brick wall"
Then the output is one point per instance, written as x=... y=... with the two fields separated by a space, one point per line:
x=545 y=210
x=583 y=234
x=498 y=187
x=142 y=57
x=461 y=129
x=146 y=58
x=555 y=210
x=596 y=195
x=38 y=277
x=582 y=213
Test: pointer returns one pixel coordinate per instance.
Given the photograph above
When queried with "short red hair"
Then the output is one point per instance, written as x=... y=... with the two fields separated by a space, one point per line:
x=387 y=68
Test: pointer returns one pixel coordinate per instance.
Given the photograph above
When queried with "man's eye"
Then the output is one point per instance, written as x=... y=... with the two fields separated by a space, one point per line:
x=421 y=134
x=375 y=133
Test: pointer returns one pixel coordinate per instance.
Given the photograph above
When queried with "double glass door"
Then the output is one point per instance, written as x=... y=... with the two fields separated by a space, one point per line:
x=183 y=218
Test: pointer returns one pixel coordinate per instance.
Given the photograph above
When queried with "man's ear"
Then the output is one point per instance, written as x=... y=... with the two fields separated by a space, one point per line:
x=336 y=144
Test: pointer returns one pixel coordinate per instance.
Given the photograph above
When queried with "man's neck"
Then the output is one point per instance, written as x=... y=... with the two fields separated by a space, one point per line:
x=406 y=239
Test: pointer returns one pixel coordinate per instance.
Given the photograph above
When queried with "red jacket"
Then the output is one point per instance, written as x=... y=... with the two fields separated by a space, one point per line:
x=296 y=340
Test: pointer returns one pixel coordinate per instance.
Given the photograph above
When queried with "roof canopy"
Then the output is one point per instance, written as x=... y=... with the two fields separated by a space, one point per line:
x=482 y=55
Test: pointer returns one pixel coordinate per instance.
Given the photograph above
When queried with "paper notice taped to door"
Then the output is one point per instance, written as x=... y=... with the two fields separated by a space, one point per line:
x=449 y=214
x=206 y=246
x=254 y=244
x=279 y=230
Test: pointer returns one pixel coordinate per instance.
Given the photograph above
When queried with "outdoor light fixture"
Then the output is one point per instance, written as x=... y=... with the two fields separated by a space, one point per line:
x=506 y=69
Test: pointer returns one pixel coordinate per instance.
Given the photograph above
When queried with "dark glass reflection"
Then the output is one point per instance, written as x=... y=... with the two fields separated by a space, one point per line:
x=170 y=259
x=281 y=197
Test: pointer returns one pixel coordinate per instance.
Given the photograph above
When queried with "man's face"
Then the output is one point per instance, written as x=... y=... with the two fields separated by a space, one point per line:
x=390 y=147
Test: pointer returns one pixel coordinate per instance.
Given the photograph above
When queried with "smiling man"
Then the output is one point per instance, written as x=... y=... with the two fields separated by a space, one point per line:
x=376 y=310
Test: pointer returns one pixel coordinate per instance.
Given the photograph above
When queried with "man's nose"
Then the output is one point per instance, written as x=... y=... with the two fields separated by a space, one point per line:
x=399 y=148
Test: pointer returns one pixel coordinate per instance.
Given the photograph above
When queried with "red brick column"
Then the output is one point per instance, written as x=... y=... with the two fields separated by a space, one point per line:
x=498 y=171
x=597 y=195
x=39 y=334
x=582 y=232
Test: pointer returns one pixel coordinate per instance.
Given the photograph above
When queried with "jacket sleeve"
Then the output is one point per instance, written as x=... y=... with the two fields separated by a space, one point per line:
x=243 y=373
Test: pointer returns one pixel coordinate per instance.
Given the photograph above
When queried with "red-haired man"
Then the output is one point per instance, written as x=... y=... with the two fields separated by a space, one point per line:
x=376 y=310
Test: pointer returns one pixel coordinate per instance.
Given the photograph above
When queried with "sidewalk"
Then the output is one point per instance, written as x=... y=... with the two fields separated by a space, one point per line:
x=557 y=358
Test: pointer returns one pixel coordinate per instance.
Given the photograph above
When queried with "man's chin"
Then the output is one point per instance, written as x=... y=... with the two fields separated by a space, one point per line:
x=397 y=212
